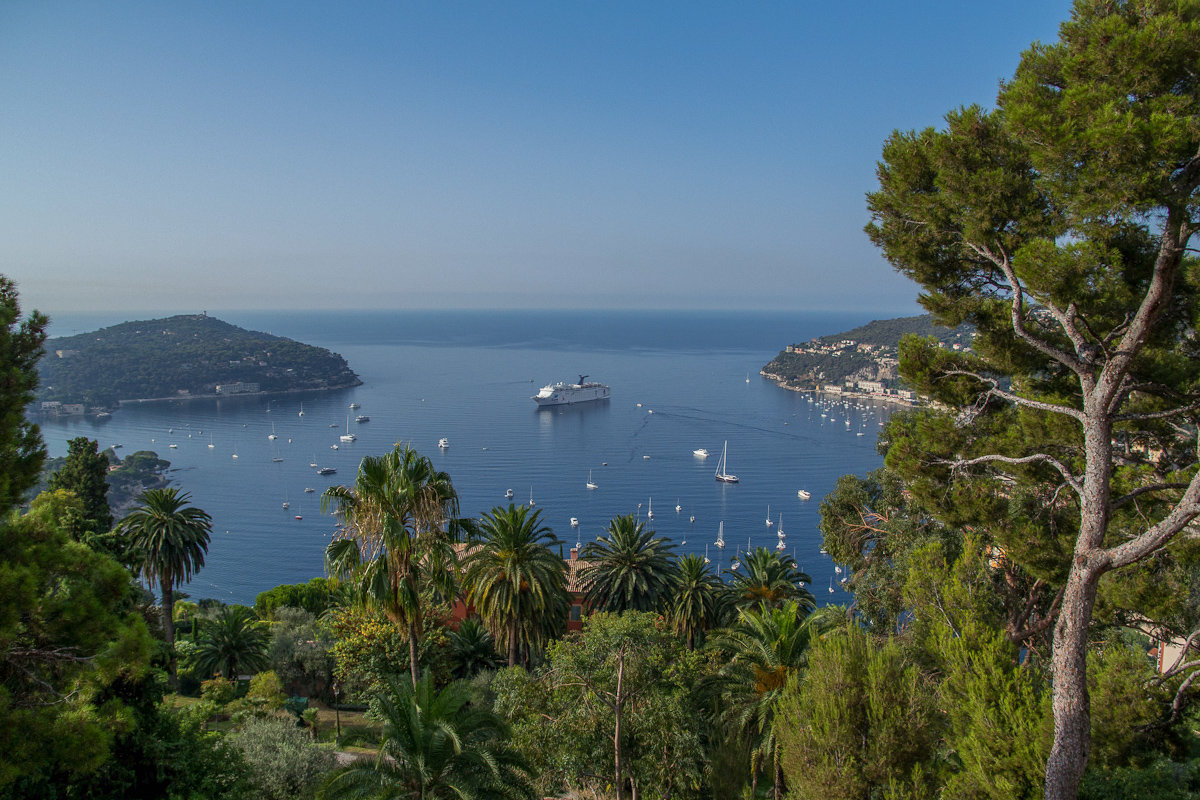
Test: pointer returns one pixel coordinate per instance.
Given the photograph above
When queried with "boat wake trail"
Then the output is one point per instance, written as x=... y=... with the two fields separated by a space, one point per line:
x=700 y=415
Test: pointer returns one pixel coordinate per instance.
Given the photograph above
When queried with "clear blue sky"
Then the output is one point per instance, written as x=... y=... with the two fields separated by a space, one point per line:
x=242 y=155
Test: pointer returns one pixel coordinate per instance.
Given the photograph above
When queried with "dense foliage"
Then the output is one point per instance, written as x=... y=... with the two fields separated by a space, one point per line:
x=188 y=354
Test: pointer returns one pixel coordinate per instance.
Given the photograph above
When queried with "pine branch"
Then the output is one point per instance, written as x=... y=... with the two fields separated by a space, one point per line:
x=1043 y=458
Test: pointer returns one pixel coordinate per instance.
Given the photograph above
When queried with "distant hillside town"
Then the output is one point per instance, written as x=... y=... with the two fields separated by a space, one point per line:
x=861 y=361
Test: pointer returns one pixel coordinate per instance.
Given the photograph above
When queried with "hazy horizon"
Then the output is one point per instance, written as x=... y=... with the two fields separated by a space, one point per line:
x=436 y=155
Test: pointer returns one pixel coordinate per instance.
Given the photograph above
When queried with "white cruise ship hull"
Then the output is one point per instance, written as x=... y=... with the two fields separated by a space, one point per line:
x=562 y=394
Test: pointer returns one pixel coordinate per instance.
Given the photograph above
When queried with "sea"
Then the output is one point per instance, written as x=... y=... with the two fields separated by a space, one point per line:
x=681 y=380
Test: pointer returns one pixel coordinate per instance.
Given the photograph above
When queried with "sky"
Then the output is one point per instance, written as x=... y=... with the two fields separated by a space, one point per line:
x=173 y=157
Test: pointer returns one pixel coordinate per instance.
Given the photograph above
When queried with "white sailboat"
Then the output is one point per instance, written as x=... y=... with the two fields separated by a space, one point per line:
x=531 y=497
x=779 y=532
x=720 y=543
x=706 y=561
x=721 y=474
x=769 y=522
x=590 y=484
x=678 y=507
x=301 y=414
x=347 y=436
x=650 y=509
x=272 y=437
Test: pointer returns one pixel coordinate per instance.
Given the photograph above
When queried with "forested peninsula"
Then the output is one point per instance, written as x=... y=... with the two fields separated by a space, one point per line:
x=182 y=356
x=864 y=358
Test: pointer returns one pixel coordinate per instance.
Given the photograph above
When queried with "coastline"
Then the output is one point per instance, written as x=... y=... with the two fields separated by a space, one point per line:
x=880 y=398
x=214 y=396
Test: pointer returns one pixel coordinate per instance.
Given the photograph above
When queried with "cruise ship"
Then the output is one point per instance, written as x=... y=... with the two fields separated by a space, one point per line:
x=560 y=394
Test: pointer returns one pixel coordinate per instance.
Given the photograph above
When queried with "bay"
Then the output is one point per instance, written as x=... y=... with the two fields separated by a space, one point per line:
x=680 y=381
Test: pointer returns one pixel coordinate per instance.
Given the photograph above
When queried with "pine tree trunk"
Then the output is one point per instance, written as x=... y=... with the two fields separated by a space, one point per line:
x=1070 y=700
x=168 y=602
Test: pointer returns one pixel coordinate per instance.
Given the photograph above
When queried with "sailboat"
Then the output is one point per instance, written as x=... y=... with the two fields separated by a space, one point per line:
x=735 y=563
x=590 y=484
x=706 y=561
x=210 y=442
x=722 y=475
x=678 y=507
x=769 y=522
x=531 y=497
x=650 y=509
x=272 y=437
x=720 y=543
x=831 y=585
x=301 y=414
x=347 y=436
x=780 y=532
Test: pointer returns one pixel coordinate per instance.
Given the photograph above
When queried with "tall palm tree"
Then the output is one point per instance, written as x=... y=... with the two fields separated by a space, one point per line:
x=234 y=641
x=627 y=569
x=394 y=537
x=435 y=745
x=169 y=540
x=769 y=578
x=696 y=598
x=516 y=583
x=765 y=647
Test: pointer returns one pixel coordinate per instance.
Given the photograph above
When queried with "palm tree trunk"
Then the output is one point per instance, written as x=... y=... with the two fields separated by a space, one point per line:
x=512 y=642
x=168 y=607
x=412 y=652
x=778 y=777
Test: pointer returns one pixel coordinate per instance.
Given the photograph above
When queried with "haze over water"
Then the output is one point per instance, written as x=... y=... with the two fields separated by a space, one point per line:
x=468 y=376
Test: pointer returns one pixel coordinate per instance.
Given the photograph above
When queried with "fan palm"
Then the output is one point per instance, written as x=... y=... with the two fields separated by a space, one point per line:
x=770 y=579
x=627 y=569
x=765 y=647
x=435 y=745
x=235 y=641
x=696 y=598
x=394 y=539
x=168 y=539
x=516 y=583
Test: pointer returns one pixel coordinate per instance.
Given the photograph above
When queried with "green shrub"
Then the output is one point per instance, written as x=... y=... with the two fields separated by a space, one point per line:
x=283 y=760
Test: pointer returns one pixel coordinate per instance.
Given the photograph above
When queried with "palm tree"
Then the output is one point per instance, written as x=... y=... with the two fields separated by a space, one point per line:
x=394 y=538
x=765 y=647
x=169 y=540
x=770 y=579
x=629 y=569
x=233 y=642
x=516 y=583
x=435 y=745
x=472 y=649
x=696 y=598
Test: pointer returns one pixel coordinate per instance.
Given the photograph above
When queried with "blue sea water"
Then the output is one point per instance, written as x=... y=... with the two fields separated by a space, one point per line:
x=680 y=381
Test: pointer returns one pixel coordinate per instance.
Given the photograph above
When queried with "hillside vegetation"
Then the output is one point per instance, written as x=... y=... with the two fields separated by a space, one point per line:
x=181 y=356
